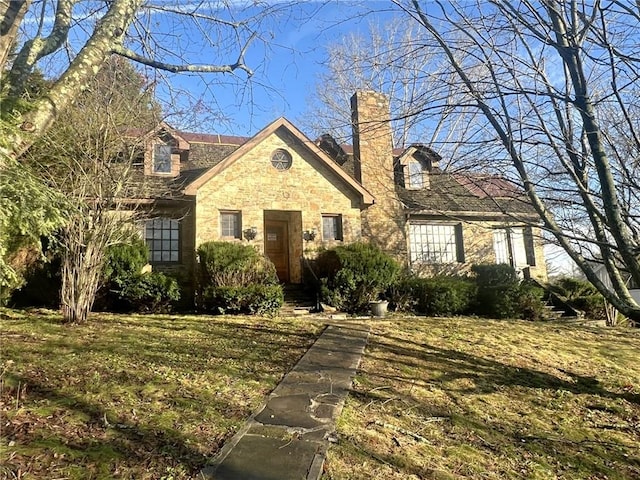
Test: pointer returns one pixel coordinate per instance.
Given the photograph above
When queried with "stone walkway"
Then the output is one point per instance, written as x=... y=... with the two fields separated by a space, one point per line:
x=289 y=436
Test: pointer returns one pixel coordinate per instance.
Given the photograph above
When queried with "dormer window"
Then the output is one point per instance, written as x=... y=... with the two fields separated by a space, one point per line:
x=161 y=158
x=416 y=180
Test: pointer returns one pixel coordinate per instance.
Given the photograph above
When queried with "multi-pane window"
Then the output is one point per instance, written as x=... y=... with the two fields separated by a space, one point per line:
x=230 y=225
x=331 y=227
x=513 y=246
x=162 y=158
x=162 y=236
x=415 y=175
x=433 y=243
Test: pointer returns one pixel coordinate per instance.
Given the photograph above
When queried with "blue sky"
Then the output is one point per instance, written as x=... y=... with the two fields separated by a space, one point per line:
x=286 y=57
x=286 y=68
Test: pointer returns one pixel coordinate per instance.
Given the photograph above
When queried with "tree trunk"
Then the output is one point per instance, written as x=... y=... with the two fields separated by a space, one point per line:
x=12 y=12
x=107 y=35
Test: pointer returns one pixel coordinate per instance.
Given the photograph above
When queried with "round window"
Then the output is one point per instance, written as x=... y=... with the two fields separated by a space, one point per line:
x=281 y=159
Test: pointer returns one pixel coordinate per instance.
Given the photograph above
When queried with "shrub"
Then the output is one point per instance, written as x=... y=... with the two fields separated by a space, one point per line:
x=150 y=292
x=235 y=278
x=402 y=292
x=593 y=306
x=581 y=295
x=353 y=275
x=42 y=284
x=530 y=305
x=122 y=267
x=125 y=260
x=232 y=264
x=251 y=299
x=498 y=289
x=441 y=296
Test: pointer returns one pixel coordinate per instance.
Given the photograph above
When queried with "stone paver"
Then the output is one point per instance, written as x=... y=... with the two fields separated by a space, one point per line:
x=288 y=437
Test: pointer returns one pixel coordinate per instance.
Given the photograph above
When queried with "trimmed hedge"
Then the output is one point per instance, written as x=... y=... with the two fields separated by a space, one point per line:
x=353 y=275
x=252 y=299
x=150 y=292
x=445 y=295
x=235 y=278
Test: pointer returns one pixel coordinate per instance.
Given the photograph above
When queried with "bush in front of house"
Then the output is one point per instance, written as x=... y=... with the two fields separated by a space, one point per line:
x=235 y=278
x=354 y=275
x=253 y=299
x=402 y=293
x=125 y=288
x=530 y=303
x=581 y=295
x=444 y=295
x=501 y=294
x=498 y=288
x=151 y=292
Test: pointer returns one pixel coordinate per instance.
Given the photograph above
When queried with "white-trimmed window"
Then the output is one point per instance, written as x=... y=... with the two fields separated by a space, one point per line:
x=514 y=246
x=162 y=236
x=161 y=158
x=331 y=227
x=435 y=243
x=416 y=179
x=231 y=224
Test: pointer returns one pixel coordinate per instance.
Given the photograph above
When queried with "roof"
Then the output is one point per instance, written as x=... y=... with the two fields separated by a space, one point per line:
x=464 y=195
x=459 y=194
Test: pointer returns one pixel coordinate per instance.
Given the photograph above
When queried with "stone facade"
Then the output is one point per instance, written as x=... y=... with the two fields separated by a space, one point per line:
x=325 y=194
x=299 y=195
x=383 y=222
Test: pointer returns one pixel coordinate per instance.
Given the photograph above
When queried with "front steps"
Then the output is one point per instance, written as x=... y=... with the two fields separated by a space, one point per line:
x=298 y=300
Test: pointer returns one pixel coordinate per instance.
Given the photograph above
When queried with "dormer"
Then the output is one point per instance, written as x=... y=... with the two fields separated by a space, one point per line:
x=416 y=163
x=164 y=150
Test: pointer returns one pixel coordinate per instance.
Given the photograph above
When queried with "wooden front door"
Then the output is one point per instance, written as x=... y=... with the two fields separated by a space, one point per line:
x=276 y=246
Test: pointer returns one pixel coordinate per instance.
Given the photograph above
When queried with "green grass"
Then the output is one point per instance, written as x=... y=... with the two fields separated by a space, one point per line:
x=469 y=398
x=140 y=397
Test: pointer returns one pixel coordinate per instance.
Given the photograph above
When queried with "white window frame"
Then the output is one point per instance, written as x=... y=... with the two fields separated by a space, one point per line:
x=510 y=247
x=434 y=243
x=161 y=150
x=162 y=236
x=231 y=230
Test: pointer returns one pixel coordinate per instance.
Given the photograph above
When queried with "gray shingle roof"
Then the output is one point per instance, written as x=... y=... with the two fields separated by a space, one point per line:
x=465 y=193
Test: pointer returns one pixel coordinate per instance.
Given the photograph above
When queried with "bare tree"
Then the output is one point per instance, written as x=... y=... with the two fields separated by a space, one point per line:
x=79 y=37
x=391 y=58
x=557 y=83
x=87 y=156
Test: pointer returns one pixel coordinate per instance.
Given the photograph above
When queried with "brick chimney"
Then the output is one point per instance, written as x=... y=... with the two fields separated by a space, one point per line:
x=383 y=223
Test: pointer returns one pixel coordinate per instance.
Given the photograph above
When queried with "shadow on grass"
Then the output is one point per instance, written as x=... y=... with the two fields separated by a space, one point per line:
x=102 y=442
x=467 y=434
x=461 y=365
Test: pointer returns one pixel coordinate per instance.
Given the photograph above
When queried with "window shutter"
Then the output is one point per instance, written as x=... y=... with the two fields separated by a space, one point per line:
x=459 y=243
x=529 y=247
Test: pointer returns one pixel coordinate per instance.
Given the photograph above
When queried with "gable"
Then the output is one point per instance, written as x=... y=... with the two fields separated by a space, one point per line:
x=283 y=134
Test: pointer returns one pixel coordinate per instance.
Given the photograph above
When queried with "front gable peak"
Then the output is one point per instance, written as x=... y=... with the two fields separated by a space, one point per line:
x=280 y=158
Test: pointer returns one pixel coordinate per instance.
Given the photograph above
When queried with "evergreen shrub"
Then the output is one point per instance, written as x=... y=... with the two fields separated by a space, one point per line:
x=355 y=274
x=444 y=295
x=125 y=288
x=235 y=278
x=498 y=290
x=150 y=292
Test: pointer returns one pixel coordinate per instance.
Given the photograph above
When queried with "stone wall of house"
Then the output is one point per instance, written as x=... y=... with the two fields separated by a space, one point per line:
x=252 y=186
x=383 y=223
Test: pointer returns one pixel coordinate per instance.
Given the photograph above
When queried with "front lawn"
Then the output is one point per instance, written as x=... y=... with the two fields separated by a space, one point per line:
x=469 y=398
x=139 y=397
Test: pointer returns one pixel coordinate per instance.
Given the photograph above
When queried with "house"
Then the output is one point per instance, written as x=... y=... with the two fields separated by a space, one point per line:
x=288 y=196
